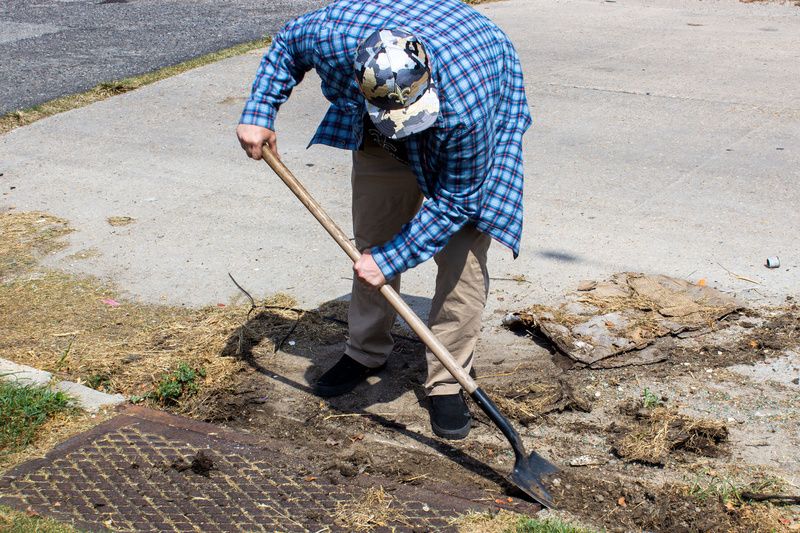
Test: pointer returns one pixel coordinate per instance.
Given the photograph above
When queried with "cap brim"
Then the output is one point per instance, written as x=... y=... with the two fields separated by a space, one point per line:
x=415 y=118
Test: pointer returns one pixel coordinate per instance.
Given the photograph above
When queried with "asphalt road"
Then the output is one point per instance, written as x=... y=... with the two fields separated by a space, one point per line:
x=51 y=48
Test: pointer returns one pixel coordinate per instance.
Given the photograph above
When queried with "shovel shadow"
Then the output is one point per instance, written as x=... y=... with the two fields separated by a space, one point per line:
x=405 y=370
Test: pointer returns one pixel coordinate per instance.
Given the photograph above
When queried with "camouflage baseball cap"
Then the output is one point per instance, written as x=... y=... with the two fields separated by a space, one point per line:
x=394 y=74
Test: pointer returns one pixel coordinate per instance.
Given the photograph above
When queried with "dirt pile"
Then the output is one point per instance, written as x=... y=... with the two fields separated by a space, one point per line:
x=525 y=402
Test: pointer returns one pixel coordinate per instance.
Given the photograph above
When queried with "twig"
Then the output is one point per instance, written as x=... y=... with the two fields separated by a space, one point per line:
x=357 y=414
x=518 y=279
x=240 y=344
x=777 y=498
x=66 y=353
x=501 y=374
x=252 y=301
x=291 y=330
x=300 y=312
x=737 y=276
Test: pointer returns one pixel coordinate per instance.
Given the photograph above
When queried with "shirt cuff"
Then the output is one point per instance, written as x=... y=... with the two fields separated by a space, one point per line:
x=259 y=114
x=392 y=257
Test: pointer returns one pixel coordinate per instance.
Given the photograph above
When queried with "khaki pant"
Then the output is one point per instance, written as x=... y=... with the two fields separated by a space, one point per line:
x=386 y=196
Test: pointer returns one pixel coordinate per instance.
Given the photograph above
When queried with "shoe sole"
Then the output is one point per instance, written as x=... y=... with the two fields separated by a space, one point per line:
x=452 y=434
x=329 y=392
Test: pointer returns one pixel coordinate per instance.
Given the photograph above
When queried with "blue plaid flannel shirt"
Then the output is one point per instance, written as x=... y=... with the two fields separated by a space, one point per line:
x=469 y=164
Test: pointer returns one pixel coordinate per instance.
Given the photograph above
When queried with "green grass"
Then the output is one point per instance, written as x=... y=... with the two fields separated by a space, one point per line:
x=650 y=400
x=23 y=408
x=23 y=117
x=547 y=525
x=710 y=484
x=181 y=382
x=12 y=521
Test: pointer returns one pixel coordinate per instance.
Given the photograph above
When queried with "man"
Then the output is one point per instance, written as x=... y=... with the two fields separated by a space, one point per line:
x=428 y=94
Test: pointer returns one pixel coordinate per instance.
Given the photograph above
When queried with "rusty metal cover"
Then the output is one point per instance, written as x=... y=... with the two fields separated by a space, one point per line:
x=135 y=473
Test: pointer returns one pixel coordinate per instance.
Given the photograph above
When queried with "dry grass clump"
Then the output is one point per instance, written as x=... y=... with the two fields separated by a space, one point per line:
x=660 y=431
x=371 y=510
x=81 y=330
x=27 y=237
x=526 y=402
x=120 y=221
x=76 y=328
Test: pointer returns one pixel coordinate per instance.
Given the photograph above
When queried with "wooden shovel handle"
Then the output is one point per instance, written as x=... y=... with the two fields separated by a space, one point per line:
x=419 y=327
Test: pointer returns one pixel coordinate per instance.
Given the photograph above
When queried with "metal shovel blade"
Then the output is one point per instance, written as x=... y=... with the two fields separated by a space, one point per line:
x=528 y=469
x=527 y=475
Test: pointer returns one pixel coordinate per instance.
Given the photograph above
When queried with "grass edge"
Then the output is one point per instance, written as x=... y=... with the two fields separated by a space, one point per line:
x=102 y=91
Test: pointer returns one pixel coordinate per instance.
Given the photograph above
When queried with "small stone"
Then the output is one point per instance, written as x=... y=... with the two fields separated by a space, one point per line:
x=556 y=482
x=796 y=381
x=598 y=498
x=597 y=394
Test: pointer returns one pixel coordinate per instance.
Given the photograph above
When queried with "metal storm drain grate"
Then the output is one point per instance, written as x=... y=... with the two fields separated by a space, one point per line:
x=149 y=471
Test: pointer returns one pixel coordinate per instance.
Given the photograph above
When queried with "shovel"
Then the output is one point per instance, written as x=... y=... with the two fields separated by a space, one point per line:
x=528 y=469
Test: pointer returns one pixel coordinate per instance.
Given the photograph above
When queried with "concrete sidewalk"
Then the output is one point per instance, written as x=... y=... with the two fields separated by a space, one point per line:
x=665 y=140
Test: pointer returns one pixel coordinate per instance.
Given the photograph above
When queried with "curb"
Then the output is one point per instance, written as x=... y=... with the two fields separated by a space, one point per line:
x=88 y=399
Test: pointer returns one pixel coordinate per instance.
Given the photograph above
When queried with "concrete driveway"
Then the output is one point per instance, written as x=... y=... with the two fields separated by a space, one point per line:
x=666 y=140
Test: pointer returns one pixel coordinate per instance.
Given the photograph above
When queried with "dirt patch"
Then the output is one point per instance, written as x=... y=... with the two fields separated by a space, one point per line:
x=763 y=333
x=27 y=237
x=200 y=463
x=620 y=504
x=658 y=432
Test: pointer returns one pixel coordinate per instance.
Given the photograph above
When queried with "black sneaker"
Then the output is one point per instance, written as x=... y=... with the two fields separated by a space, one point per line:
x=450 y=418
x=343 y=377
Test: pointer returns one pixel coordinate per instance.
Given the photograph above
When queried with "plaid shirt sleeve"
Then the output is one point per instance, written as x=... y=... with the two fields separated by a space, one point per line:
x=284 y=65
x=459 y=174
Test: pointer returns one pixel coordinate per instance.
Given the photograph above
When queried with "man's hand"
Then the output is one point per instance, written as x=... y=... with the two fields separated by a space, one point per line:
x=367 y=271
x=252 y=138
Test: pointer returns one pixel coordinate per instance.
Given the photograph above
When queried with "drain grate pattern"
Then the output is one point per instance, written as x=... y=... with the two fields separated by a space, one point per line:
x=132 y=474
